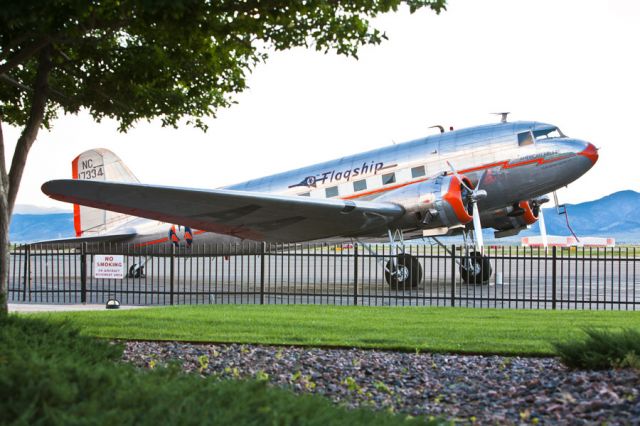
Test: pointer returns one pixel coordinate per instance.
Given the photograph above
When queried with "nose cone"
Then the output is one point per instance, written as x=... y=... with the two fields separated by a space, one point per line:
x=591 y=152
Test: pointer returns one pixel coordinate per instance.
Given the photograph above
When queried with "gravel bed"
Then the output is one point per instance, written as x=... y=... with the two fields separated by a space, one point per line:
x=466 y=389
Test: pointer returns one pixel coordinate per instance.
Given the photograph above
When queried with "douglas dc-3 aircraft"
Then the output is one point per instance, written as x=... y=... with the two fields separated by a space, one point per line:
x=455 y=182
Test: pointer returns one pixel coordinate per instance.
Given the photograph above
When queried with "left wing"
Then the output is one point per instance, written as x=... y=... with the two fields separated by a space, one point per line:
x=248 y=215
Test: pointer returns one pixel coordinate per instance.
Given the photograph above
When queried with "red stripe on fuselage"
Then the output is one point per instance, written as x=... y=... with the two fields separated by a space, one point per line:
x=148 y=243
x=502 y=164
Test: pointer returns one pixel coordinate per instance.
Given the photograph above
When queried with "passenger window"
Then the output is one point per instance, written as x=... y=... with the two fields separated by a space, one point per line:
x=360 y=185
x=417 y=172
x=331 y=191
x=388 y=178
x=525 y=138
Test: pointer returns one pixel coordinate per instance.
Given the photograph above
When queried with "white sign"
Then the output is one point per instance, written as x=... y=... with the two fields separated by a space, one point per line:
x=108 y=266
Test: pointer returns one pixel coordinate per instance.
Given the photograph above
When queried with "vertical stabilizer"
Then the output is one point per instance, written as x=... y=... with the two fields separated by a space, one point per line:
x=99 y=165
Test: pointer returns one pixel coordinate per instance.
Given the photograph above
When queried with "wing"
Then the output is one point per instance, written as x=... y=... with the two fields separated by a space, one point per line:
x=248 y=215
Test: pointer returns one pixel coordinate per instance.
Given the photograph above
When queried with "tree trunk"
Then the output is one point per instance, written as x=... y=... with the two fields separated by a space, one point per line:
x=4 y=228
x=10 y=183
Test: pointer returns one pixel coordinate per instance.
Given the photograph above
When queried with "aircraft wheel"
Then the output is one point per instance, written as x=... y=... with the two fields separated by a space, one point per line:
x=475 y=269
x=405 y=275
x=136 y=271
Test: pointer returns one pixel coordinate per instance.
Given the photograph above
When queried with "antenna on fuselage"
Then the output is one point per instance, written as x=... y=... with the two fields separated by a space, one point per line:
x=503 y=116
x=437 y=126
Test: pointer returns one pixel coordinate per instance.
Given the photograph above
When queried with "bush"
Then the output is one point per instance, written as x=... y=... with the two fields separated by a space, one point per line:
x=49 y=374
x=602 y=350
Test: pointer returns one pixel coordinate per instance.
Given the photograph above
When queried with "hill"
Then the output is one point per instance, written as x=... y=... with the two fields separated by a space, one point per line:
x=614 y=215
x=35 y=227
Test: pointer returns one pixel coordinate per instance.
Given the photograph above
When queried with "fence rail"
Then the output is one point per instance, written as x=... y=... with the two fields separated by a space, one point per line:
x=343 y=274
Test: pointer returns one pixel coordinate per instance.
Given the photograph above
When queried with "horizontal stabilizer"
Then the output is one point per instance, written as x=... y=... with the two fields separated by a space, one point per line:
x=93 y=239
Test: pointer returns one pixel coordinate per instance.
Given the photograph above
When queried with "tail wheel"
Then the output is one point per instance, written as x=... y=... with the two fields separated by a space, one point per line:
x=475 y=269
x=405 y=274
x=136 y=271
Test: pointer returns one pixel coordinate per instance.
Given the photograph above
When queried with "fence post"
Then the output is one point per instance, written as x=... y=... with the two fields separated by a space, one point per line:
x=553 y=277
x=83 y=273
x=453 y=274
x=171 y=273
x=27 y=272
x=262 y=253
x=355 y=274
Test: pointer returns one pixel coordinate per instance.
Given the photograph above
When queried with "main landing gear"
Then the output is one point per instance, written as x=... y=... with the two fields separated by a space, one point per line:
x=402 y=271
x=474 y=267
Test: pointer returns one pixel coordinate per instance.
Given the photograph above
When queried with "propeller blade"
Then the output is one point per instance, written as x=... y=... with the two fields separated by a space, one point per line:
x=477 y=228
x=484 y=173
x=455 y=173
x=543 y=228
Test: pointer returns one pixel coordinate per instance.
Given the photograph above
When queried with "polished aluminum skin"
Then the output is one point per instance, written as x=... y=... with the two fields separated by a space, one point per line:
x=408 y=187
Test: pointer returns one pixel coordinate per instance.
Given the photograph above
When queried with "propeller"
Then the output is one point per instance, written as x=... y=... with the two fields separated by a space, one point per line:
x=473 y=195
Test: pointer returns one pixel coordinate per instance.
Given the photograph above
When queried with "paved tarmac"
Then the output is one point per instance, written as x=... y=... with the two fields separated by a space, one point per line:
x=325 y=277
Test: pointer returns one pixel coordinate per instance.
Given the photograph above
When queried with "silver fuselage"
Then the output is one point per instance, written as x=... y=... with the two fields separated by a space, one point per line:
x=517 y=172
x=519 y=162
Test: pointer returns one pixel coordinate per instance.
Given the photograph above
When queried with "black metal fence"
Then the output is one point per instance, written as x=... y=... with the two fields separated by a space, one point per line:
x=343 y=274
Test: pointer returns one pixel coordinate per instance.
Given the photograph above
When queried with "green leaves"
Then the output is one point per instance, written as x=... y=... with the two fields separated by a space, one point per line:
x=138 y=60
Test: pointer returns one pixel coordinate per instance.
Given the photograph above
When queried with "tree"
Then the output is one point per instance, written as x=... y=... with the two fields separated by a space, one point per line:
x=135 y=59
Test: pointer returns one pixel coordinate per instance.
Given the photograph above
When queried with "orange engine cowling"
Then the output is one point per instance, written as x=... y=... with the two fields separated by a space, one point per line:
x=531 y=214
x=433 y=203
x=515 y=217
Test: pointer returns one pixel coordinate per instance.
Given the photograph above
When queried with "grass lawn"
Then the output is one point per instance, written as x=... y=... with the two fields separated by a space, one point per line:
x=456 y=330
x=51 y=376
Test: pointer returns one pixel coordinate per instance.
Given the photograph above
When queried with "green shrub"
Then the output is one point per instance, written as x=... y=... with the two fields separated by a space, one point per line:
x=602 y=350
x=51 y=375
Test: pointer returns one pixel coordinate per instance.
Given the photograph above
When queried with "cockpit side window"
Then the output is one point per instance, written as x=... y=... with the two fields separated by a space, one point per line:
x=552 y=132
x=525 y=138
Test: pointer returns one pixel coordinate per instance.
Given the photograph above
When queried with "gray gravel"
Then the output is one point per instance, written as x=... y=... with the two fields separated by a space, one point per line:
x=466 y=389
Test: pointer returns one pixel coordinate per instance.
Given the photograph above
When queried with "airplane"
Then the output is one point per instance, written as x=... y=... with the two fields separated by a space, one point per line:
x=457 y=182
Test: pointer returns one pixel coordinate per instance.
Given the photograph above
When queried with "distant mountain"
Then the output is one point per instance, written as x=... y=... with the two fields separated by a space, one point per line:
x=31 y=209
x=615 y=215
x=36 y=227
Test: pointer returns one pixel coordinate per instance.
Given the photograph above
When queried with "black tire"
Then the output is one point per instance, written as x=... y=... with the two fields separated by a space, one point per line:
x=476 y=269
x=411 y=274
x=135 y=271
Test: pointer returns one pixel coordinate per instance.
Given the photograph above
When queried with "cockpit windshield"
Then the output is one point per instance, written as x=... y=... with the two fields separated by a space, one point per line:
x=548 y=133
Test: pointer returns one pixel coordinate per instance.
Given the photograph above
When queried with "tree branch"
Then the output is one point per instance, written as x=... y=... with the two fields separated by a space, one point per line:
x=56 y=95
x=24 y=54
x=30 y=132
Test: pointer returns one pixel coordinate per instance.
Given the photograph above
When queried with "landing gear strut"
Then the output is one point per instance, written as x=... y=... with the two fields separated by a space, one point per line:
x=402 y=271
x=474 y=267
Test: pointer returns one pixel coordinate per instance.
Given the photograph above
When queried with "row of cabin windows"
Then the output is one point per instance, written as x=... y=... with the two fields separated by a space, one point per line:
x=361 y=185
x=524 y=138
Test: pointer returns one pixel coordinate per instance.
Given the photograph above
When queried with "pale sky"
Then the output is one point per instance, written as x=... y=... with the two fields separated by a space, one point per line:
x=571 y=63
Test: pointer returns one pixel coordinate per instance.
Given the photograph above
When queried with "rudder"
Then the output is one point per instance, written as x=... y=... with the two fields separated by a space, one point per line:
x=99 y=164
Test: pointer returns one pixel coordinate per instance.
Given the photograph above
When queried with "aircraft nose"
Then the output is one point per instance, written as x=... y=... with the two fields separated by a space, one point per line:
x=591 y=152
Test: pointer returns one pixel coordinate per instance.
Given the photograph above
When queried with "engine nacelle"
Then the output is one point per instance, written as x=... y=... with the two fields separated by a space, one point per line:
x=434 y=203
x=511 y=220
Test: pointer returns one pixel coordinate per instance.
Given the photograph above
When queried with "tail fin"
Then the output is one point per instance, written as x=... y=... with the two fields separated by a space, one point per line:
x=102 y=165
